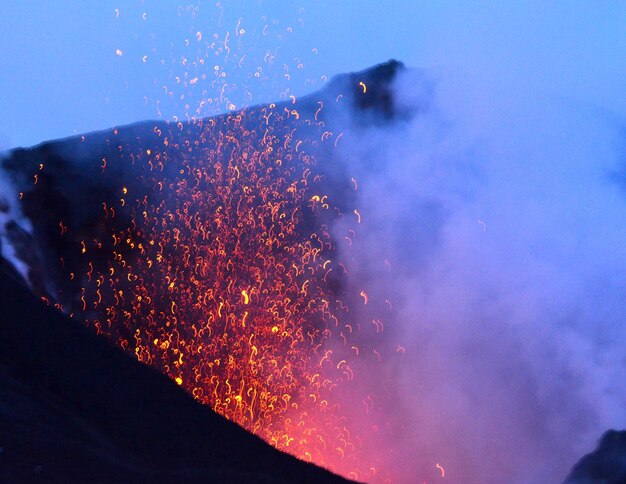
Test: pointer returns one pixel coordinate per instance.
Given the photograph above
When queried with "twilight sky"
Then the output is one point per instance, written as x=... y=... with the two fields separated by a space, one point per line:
x=61 y=75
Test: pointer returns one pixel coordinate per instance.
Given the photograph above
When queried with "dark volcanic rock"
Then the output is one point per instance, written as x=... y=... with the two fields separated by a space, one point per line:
x=73 y=408
x=606 y=464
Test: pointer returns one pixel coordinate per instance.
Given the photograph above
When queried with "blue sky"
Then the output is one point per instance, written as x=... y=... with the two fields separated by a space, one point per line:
x=60 y=73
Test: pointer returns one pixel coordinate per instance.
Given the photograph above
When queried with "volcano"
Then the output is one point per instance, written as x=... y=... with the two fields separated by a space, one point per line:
x=203 y=249
x=181 y=294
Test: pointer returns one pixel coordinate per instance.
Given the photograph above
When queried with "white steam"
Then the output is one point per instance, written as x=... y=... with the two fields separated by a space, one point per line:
x=506 y=232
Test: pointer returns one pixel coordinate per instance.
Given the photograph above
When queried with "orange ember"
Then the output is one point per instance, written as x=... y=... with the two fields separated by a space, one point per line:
x=225 y=276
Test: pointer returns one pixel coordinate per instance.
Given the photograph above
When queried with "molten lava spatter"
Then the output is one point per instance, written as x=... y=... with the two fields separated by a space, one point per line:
x=211 y=256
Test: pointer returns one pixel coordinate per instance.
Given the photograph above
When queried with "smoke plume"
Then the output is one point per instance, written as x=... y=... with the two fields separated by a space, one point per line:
x=496 y=227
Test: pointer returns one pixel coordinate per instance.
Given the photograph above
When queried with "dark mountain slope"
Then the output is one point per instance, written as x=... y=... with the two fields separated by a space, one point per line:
x=66 y=184
x=73 y=408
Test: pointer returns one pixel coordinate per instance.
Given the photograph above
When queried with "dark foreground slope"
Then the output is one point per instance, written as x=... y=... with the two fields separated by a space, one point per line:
x=73 y=408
